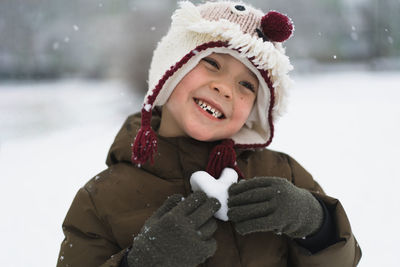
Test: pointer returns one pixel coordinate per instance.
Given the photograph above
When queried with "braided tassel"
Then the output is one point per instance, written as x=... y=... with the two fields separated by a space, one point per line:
x=145 y=145
x=222 y=156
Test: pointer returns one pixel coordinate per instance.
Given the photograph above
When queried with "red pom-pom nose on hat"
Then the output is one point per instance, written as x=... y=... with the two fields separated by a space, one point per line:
x=276 y=26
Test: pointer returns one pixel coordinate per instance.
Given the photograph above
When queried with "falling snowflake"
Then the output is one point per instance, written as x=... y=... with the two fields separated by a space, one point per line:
x=147 y=107
x=56 y=45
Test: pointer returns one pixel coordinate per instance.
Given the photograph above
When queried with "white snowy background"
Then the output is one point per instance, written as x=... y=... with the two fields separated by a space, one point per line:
x=343 y=127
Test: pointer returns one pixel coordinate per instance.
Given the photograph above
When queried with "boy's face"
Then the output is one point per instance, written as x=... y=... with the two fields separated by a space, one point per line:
x=212 y=102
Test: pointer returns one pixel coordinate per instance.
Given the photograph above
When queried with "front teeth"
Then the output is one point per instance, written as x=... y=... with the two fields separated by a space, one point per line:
x=209 y=109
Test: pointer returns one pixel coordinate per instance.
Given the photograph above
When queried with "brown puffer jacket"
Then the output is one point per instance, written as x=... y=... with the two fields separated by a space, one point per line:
x=113 y=206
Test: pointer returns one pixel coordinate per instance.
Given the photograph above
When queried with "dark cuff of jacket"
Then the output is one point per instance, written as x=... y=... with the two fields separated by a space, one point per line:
x=326 y=235
x=124 y=261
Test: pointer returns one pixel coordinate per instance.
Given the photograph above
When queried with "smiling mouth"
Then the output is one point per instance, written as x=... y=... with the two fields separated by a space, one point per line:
x=210 y=109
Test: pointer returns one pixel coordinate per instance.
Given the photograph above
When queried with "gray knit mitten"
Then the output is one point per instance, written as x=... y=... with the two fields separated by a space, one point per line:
x=178 y=234
x=265 y=204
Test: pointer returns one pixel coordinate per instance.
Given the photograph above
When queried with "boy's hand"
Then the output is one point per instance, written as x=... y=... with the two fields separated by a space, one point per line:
x=265 y=204
x=179 y=233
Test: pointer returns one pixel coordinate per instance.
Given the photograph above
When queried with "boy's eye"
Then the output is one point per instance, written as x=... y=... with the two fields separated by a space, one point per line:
x=211 y=62
x=248 y=86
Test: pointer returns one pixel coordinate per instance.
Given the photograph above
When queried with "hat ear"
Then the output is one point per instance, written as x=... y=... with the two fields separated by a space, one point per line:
x=276 y=26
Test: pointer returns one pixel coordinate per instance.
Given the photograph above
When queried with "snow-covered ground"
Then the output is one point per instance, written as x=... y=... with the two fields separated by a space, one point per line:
x=342 y=127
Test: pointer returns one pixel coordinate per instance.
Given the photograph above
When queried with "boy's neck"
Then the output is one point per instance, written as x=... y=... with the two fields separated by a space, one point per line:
x=165 y=128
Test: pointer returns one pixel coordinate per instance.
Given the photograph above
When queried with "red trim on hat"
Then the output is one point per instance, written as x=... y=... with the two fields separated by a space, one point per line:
x=145 y=145
x=264 y=74
x=152 y=97
x=141 y=153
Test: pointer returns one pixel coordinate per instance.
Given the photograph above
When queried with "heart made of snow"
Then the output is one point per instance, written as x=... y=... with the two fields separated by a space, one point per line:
x=217 y=188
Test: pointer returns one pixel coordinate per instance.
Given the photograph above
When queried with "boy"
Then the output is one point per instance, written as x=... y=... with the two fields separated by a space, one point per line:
x=220 y=76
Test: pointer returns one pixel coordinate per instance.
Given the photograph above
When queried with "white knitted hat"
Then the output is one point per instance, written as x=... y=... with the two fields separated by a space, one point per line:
x=226 y=27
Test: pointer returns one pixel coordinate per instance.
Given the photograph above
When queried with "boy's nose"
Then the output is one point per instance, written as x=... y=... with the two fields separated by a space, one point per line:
x=223 y=90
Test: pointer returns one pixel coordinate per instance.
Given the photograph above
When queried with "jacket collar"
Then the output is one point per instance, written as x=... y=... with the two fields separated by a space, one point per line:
x=176 y=158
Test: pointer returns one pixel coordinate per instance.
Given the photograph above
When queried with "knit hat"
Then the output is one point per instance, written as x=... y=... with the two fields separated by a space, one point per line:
x=233 y=28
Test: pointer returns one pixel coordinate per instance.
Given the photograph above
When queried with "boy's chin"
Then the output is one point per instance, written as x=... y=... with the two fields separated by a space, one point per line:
x=204 y=136
x=208 y=134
